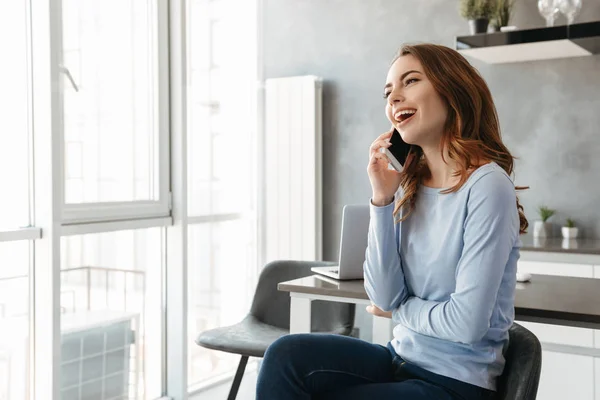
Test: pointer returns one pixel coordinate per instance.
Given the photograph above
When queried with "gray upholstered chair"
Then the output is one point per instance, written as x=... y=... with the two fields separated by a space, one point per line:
x=521 y=375
x=269 y=317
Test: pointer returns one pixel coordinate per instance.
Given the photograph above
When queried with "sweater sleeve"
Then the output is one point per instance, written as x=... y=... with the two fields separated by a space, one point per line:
x=490 y=231
x=383 y=274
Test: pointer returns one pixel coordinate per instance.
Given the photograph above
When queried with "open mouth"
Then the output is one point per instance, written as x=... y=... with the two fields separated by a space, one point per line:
x=404 y=115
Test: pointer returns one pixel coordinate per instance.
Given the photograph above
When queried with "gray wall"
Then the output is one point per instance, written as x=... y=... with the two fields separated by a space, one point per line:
x=549 y=110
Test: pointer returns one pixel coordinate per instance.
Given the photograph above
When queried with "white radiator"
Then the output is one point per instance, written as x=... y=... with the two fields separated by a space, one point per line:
x=293 y=169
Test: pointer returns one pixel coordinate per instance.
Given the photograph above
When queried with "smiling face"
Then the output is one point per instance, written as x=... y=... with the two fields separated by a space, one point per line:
x=413 y=106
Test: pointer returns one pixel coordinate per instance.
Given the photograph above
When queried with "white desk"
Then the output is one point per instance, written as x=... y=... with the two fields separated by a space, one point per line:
x=304 y=290
x=554 y=300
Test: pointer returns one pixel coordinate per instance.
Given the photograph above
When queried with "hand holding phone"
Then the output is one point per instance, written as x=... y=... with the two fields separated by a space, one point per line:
x=398 y=151
x=384 y=181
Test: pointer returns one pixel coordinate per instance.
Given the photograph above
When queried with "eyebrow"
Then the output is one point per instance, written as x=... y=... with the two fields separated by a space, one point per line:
x=402 y=77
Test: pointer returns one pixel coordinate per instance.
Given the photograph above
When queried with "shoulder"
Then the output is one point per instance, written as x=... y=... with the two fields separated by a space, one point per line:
x=492 y=203
x=490 y=183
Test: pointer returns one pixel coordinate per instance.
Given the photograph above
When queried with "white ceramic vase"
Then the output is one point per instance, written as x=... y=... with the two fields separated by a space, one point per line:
x=542 y=229
x=569 y=233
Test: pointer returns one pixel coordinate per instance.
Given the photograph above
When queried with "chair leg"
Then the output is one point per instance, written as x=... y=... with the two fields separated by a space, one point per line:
x=239 y=374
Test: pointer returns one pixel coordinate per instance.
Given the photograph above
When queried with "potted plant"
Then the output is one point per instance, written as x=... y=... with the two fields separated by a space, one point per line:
x=543 y=228
x=569 y=231
x=478 y=13
x=502 y=12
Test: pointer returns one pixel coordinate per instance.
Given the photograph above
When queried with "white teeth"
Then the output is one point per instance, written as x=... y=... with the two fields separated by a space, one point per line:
x=404 y=112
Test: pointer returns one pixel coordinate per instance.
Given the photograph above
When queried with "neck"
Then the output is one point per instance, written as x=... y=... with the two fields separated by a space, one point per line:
x=441 y=169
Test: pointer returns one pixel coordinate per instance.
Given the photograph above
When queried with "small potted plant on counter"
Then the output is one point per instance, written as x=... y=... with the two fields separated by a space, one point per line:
x=503 y=10
x=543 y=228
x=569 y=231
x=478 y=13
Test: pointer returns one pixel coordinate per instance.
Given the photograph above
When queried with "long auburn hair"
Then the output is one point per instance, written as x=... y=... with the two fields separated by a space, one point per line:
x=472 y=131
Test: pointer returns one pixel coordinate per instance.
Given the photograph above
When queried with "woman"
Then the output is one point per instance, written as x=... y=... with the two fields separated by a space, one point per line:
x=442 y=251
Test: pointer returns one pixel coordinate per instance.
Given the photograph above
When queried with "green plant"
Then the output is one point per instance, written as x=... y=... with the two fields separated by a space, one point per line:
x=545 y=213
x=503 y=11
x=476 y=9
x=570 y=223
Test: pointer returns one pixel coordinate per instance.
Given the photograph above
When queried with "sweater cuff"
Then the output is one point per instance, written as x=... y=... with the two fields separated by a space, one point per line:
x=382 y=209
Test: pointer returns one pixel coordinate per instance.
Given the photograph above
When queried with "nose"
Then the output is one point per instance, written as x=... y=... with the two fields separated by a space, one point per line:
x=395 y=97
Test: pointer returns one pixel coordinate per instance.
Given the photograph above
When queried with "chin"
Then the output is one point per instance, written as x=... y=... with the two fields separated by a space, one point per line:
x=409 y=137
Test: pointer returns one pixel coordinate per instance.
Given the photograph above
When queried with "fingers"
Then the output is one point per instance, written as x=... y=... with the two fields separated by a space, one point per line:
x=387 y=134
x=378 y=145
x=384 y=136
x=381 y=141
x=378 y=156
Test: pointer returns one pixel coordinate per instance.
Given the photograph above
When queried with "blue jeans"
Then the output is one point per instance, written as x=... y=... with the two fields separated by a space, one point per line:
x=332 y=367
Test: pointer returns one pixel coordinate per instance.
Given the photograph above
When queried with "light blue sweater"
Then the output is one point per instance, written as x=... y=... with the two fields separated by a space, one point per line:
x=449 y=274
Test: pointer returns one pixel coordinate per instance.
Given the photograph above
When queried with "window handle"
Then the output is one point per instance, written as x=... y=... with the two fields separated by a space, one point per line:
x=66 y=71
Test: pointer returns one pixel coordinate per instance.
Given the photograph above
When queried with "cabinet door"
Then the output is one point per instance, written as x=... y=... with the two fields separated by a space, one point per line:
x=597 y=373
x=554 y=333
x=561 y=334
x=559 y=269
x=597 y=331
x=566 y=376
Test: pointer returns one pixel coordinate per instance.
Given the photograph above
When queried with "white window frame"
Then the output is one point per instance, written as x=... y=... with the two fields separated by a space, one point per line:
x=115 y=211
x=20 y=234
x=45 y=271
x=176 y=288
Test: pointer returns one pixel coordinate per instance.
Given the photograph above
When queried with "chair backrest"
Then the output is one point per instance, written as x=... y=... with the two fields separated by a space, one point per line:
x=272 y=306
x=521 y=375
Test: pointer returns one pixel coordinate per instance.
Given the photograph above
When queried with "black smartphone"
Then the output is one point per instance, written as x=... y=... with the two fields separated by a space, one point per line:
x=398 y=151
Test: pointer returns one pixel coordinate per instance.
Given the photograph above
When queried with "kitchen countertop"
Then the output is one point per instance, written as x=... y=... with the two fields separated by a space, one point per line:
x=560 y=245
x=558 y=300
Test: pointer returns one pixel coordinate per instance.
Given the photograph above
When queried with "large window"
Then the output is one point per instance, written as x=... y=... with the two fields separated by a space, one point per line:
x=221 y=283
x=115 y=141
x=114 y=108
x=14 y=320
x=14 y=115
x=110 y=101
x=111 y=315
x=221 y=131
x=87 y=282
x=15 y=254
x=221 y=106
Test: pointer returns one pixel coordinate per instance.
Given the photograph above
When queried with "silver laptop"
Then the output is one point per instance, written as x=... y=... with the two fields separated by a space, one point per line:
x=353 y=244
